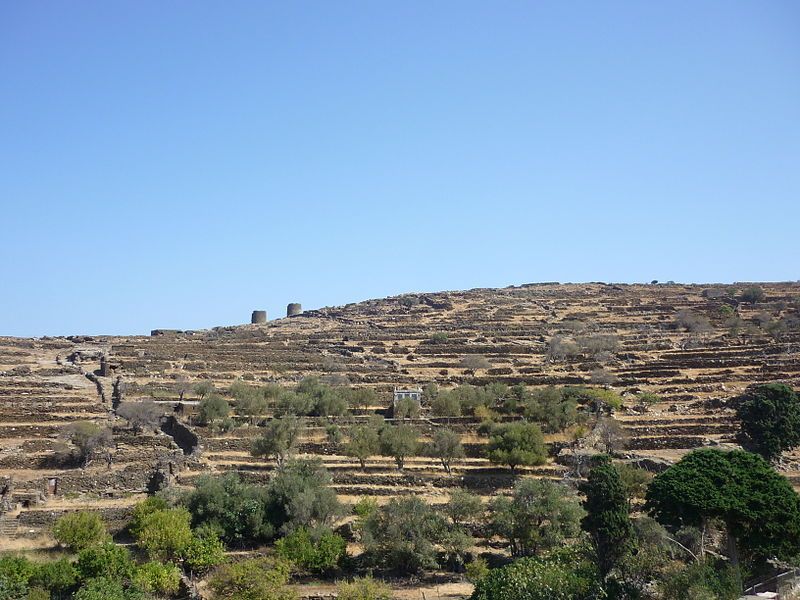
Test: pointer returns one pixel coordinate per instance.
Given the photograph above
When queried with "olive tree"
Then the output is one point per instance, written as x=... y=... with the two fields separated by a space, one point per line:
x=446 y=446
x=399 y=442
x=517 y=444
x=278 y=440
x=539 y=516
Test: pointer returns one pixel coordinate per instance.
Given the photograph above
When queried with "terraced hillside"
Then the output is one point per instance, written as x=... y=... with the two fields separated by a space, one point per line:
x=693 y=347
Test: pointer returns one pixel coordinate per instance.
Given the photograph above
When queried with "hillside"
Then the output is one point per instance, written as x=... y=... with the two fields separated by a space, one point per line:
x=695 y=347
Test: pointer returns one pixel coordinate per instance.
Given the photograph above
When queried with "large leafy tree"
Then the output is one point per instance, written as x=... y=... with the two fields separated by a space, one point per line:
x=552 y=408
x=607 y=520
x=770 y=416
x=234 y=508
x=758 y=506
x=539 y=516
x=517 y=444
x=299 y=495
x=403 y=535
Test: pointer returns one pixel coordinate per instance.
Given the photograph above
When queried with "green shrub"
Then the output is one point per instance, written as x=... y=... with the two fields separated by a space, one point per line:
x=159 y=578
x=38 y=593
x=206 y=550
x=58 y=576
x=363 y=588
x=253 y=579
x=703 y=581
x=552 y=409
x=213 y=408
x=314 y=551
x=463 y=507
x=79 y=530
x=165 y=534
x=105 y=560
x=227 y=504
x=477 y=570
x=365 y=507
x=753 y=294
x=15 y=574
x=400 y=442
x=648 y=398
x=107 y=588
x=562 y=576
x=440 y=337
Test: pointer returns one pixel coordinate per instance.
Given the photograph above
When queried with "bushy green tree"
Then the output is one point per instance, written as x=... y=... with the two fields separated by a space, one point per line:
x=79 y=530
x=363 y=442
x=105 y=560
x=567 y=575
x=634 y=481
x=299 y=495
x=239 y=511
x=552 y=409
x=758 y=507
x=463 y=507
x=15 y=575
x=203 y=389
x=108 y=588
x=445 y=404
x=753 y=294
x=250 y=400
x=205 y=551
x=279 y=439
x=252 y=579
x=402 y=535
x=770 y=416
x=607 y=520
x=58 y=576
x=399 y=442
x=540 y=516
x=157 y=578
x=705 y=580
x=517 y=444
x=361 y=398
x=406 y=408
x=446 y=446
x=213 y=408
x=165 y=534
x=317 y=551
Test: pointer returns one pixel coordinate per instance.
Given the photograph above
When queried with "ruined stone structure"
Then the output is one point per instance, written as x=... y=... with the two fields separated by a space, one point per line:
x=258 y=316
x=293 y=309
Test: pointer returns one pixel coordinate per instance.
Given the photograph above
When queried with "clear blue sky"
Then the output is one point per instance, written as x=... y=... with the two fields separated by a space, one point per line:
x=179 y=164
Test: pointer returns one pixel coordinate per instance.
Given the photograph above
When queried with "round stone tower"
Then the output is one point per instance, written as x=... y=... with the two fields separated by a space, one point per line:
x=293 y=309
x=259 y=316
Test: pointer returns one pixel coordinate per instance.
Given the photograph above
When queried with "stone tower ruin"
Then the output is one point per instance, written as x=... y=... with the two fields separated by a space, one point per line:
x=293 y=309
x=259 y=316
